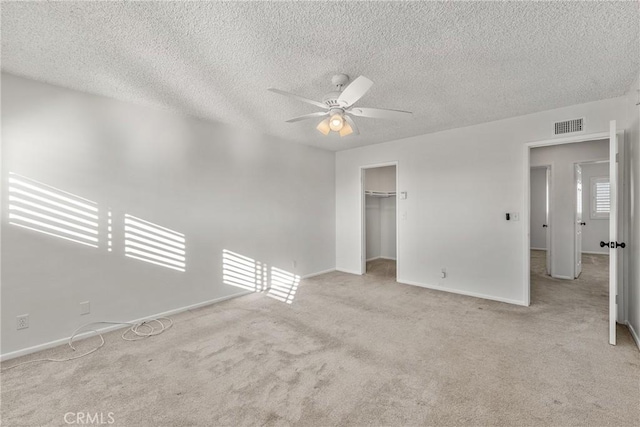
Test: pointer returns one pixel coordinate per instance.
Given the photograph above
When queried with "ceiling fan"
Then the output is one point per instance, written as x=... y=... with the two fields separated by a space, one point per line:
x=338 y=106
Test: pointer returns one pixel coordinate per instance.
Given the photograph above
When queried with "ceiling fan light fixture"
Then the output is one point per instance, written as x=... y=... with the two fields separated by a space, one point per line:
x=324 y=127
x=336 y=122
x=346 y=129
x=338 y=106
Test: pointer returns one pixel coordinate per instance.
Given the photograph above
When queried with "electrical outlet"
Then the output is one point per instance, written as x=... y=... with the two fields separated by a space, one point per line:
x=23 y=321
x=85 y=308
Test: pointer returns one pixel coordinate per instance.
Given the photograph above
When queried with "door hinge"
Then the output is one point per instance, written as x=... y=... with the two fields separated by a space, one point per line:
x=616 y=299
x=617 y=157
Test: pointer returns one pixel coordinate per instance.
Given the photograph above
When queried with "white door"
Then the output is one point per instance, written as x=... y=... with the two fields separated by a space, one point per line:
x=547 y=224
x=613 y=231
x=578 y=222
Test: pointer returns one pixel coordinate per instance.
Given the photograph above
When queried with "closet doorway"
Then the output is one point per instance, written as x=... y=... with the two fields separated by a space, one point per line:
x=379 y=220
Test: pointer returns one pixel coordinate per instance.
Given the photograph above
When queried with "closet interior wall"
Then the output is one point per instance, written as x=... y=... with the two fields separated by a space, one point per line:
x=380 y=187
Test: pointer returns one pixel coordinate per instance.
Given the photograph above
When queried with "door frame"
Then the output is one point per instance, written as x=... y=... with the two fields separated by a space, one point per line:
x=363 y=214
x=576 y=166
x=548 y=168
x=526 y=229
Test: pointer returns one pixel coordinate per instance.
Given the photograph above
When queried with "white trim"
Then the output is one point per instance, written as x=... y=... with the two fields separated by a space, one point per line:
x=526 y=224
x=634 y=334
x=318 y=273
x=558 y=276
x=466 y=293
x=577 y=205
x=343 y=270
x=106 y=329
x=595 y=252
x=569 y=139
x=539 y=249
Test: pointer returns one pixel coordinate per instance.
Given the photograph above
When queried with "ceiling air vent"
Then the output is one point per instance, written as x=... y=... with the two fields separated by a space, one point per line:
x=568 y=126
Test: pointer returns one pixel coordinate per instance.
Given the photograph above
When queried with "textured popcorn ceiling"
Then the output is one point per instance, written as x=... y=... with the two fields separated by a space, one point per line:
x=452 y=64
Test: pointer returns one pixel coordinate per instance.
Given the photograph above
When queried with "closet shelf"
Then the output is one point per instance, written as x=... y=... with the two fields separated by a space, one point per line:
x=380 y=193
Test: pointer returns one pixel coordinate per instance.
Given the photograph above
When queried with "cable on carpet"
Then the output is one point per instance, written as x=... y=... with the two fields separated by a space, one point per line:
x=135 y=332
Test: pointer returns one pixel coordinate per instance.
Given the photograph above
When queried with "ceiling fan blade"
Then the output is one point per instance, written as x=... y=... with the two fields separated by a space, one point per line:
x=355 y=90
x=299 y=98
x=323 y=126
x=379 y=113
x=308 y=116
x=349 y=127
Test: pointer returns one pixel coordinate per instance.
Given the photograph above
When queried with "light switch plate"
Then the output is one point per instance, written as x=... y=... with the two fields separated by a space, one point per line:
x=85 y=308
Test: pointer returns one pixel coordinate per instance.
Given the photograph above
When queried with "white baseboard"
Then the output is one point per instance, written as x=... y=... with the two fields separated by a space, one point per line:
x=380 y=257
x=342 y=270
x=584 y=252
x=634 y=334
x=318 y=273
x=55 y=343
x=558 y=276
x=467 y=293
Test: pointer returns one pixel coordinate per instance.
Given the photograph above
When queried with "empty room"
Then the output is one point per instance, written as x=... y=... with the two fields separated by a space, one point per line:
x=320 y=213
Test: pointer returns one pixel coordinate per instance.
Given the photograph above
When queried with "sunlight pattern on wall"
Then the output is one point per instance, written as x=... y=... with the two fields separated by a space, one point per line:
x=152 y=243
x=283 y=285
x=48 y=210
x=255 y=276
x=243 y=272
x=109 y=231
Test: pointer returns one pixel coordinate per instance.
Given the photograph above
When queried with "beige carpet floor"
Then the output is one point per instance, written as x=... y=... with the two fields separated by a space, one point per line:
x=355 y=350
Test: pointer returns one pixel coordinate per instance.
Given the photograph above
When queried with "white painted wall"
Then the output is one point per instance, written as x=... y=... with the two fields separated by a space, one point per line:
x=224 y=188
x=381 y=213
x=538 y=217
x=460 y=183
x=373 y=227
x=632 y=252
x=381 y=227
x=597 y=229
x=563 y=196
x=380 y=179
x=388 y=227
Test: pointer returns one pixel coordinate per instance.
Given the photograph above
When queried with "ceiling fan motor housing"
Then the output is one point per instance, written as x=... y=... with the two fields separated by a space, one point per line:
x=336 y=111
x=331 y=100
